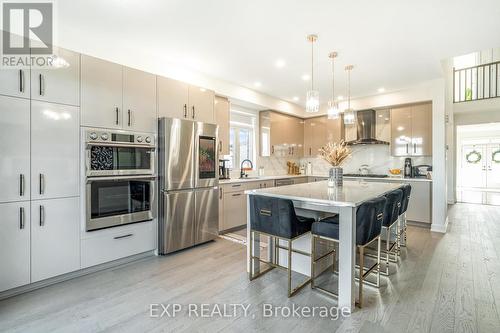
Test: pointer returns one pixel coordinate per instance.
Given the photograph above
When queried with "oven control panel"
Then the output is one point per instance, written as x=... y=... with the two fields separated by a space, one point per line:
x=119 y=137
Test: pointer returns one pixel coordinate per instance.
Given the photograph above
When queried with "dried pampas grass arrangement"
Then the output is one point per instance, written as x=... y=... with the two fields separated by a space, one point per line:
x=335 y=153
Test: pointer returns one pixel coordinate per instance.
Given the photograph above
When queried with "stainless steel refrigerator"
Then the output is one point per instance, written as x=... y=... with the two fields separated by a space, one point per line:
x=188 y=183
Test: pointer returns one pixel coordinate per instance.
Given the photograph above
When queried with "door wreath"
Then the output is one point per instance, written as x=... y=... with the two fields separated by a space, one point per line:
x=495 y=156
x=474 y=157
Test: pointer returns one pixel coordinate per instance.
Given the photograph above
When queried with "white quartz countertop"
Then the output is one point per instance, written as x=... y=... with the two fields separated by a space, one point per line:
x=352 y=193
x=256 y=179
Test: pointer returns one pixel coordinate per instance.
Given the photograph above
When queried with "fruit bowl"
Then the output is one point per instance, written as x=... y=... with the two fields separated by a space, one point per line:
x=395 y=171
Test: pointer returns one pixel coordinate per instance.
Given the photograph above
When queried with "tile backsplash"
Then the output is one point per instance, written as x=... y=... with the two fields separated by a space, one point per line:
x=377 y=157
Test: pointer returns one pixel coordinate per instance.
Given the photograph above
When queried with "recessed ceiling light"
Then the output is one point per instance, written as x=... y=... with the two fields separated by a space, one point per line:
x=280 y=63
x=340 y=97
x=295 y=98
x=381 y=90
x=306 y=77
x=257 y=84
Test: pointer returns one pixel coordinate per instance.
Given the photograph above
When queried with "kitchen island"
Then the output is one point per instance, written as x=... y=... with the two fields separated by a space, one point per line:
x=318 y=198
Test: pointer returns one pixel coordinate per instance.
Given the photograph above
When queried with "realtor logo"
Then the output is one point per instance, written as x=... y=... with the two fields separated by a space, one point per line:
x=27 y=28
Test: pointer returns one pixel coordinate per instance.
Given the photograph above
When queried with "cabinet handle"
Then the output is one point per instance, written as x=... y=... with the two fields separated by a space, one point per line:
x=128 y=117
x=272 y=149
x=220 y=146
x=21 y=217
x=124 y=236
x=236 y=185
x=21 y=185
x=265 y=184
x=407 y=149
x=185 y=111
x=117 y=111
x=21 y=80
x=260 y=185
x=415 y=148
x=220 y=193
x=310 y=151
x=193 y=110
x=42 y=216
x=42 y=183
x=41 y=82
x=236 y=194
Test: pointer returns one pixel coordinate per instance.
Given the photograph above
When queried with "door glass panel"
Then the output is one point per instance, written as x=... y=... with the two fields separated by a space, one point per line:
x=111 y=198
x=206 y=156
x=120 y=158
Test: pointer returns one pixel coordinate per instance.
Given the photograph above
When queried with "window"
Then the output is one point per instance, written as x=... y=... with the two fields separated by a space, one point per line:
x=241 y=137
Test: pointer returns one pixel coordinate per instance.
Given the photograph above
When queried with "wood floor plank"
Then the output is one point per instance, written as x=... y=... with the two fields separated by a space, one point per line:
x=442 y=283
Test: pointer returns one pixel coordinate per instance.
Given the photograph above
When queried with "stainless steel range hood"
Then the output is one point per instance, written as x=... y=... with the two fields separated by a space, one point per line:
x=365 y=129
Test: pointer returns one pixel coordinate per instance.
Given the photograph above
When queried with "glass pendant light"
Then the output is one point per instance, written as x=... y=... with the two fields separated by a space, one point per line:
x=333 y=111
x=312 y=96
x=349 y=115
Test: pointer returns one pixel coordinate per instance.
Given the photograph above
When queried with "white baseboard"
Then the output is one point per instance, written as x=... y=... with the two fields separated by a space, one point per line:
x=441 y=228
x=68 y=276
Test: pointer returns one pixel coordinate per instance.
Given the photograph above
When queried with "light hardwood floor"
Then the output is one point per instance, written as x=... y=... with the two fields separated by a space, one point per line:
x=447 y=283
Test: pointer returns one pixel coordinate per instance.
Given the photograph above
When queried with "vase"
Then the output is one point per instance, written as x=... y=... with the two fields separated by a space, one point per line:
x=335 y=178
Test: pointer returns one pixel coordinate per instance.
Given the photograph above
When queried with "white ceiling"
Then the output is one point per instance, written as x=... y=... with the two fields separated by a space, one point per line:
x=392 y=43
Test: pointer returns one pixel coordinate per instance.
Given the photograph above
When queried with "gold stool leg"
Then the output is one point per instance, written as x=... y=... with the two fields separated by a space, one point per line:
x=289 y=268
x=361 y=269
x=379 y=243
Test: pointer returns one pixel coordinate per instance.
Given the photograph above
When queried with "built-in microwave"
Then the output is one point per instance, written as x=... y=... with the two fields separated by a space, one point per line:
x=114 y=201
x=119 y=153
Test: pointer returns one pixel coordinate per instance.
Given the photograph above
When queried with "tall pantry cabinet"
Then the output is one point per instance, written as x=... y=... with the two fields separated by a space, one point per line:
x=39 y=172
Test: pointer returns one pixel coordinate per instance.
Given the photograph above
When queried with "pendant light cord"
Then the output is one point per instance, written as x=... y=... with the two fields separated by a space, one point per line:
x=333 y=79
x=312 y=64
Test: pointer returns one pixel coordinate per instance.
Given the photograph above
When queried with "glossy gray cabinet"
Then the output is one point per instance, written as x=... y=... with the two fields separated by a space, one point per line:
x=411 y=130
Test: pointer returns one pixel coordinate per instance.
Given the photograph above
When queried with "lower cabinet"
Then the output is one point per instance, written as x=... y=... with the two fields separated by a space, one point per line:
x=55 y=237
x=119 y=242
x=235 y=210
x=14 y=244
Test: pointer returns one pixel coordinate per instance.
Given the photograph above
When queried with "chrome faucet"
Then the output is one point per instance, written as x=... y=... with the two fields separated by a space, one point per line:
x=243 y=174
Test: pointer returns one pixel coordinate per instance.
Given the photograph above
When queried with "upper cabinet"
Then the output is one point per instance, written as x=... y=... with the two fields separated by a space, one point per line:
x=222 y=110
x=334 y=130
x=15 y=82
x=383 y=125
x=180 y=100
x=60 y=83
x=314 y=135
x=411 y=130
x=139 y=100
x=101 y=93
x=201 y=104
x=281 y=135
x=114 y=96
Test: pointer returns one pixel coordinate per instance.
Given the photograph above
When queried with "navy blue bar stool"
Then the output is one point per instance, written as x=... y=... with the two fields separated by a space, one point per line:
x=391 y=226
x=369 y=218
x=406 y=188
x=276 y=218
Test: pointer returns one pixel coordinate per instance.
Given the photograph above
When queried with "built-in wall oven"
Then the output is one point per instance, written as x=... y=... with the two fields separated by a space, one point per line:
x=119 y=153
x=120 y=178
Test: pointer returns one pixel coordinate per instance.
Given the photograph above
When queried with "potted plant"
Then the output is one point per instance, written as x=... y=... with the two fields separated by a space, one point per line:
x=335 y=154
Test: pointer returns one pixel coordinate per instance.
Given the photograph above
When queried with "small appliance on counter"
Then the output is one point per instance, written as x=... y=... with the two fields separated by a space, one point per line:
x=408 y=169
x=422 y=171
x=223 y=169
